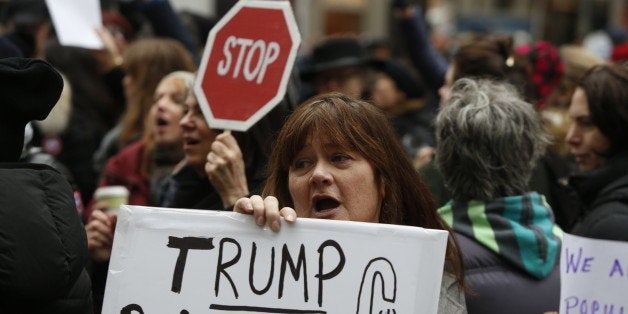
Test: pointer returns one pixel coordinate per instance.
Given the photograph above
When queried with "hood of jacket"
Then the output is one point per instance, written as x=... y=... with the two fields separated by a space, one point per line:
x=520 y=228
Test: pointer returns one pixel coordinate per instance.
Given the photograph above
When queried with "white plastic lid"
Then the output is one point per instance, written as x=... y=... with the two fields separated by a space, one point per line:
x=111 y=191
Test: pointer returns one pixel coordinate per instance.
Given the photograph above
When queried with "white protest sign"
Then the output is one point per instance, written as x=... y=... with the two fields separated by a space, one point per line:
x=194 y=261
x=76 y=22
x=593 y=276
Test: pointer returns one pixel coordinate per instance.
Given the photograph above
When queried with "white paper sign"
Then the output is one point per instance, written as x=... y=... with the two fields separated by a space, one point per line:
x=594 y=276
x=194 y=261
x=76 y=22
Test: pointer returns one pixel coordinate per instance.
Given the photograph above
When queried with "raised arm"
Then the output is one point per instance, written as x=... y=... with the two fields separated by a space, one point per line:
x=166 y=23
x=428 y=62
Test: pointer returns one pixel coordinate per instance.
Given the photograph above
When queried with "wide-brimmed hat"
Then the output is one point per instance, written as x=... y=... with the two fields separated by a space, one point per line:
x=30 y=89
x=335 y=53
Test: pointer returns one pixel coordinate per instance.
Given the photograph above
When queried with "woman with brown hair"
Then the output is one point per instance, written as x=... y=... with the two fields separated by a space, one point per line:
x=598 y=138
x=337 y=158
x=141 y=167
x=145 y=63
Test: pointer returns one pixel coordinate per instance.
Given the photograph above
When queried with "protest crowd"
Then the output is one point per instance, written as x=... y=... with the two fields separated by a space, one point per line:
x=505 y=146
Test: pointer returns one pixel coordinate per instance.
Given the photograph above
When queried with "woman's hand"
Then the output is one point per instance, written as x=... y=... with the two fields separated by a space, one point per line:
x=225 y=169
x=99 y=230
x=423 y=157
x=265 y=210
x=111 y=55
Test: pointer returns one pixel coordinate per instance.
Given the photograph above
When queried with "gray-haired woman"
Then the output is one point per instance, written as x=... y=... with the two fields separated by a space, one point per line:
x=488 y=140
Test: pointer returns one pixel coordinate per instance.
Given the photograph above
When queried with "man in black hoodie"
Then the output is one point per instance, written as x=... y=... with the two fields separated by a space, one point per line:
x=43 y=247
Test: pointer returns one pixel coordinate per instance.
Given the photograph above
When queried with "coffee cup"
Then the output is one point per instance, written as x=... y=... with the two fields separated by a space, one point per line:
x=113 y=196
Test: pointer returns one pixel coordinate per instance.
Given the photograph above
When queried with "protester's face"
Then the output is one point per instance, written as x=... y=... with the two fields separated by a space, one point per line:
x=167 y=111
x=344 y=80
x=445 y=90
x=332 y=182
x=197 y=136
x=585 y=139
x=386 y=95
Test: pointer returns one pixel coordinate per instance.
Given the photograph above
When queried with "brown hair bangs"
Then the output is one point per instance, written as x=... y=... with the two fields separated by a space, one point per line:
x=331 y=117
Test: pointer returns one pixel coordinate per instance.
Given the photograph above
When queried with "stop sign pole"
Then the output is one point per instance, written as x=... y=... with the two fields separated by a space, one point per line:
x=246 y=64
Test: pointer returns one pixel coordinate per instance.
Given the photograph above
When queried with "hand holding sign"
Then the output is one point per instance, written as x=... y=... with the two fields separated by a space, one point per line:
x=265 y=210
x=225 y=169
x=111 y=56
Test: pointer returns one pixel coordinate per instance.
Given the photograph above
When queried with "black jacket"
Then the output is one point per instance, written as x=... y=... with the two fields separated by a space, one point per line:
x=414 y=127
x=498 y=287
x=43 y=247
x=604 y=196
x=186 y=189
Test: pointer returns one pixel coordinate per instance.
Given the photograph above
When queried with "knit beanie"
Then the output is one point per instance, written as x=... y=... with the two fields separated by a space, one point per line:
x=29 y=90
x=547 y=68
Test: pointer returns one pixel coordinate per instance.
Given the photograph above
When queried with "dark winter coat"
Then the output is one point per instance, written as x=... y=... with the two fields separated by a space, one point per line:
x=186 y=189
x=495 y=284
x=43 y=247
x=604 y=196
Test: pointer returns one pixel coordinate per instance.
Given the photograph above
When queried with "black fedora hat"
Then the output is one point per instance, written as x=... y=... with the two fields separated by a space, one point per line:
x=335 y=53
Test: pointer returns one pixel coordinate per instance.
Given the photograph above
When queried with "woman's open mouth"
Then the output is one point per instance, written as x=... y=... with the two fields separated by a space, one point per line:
x=324 y=206
x=190 y=142
x=161 y=122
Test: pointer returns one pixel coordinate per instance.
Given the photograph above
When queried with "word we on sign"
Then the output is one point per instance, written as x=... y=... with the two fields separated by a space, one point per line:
x=594 y=276
x=193 y=261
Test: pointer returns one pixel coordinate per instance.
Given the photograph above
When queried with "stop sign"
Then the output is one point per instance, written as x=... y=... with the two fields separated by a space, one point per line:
x=247 y=63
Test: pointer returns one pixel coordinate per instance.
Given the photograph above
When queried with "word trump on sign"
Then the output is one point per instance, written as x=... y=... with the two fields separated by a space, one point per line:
x=594 y=276
x=194 y=261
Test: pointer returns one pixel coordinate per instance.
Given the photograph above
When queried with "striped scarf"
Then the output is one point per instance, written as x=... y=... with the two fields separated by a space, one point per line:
x=521 y=229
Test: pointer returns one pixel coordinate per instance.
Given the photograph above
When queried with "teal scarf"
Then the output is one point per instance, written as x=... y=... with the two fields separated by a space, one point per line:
x=519 y=228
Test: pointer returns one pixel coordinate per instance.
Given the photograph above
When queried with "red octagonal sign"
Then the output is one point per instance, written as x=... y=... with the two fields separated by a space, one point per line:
x=247 y=63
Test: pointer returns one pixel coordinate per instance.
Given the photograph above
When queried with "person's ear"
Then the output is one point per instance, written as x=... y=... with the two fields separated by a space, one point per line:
x=382 y=187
